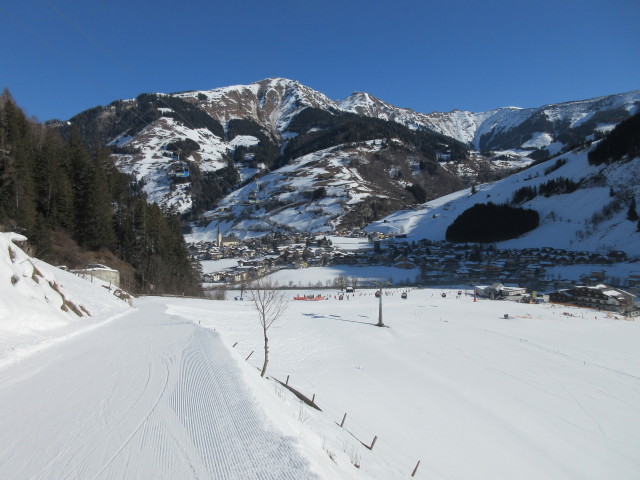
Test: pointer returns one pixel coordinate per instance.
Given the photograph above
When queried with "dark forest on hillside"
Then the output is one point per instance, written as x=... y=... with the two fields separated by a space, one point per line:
x=50 y=186
x=624 y=140
x=485 y=223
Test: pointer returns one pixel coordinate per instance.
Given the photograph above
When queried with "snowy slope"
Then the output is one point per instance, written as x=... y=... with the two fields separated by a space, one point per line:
x=272 y=102
x=40 y=303
x=573 y=221
x=283 y=196
x=152 y=165
x=133 y=393
x=482 y=130
x=322 y=191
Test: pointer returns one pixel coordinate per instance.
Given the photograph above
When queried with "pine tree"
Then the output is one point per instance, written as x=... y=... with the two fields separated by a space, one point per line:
x=16 y=168
x=632 y=214
x=94 y=224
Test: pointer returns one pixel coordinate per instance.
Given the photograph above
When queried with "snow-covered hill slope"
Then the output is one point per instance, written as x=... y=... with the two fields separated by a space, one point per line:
x=333 y=188
x=149 y=397
x=592 y=218
x=39 y=302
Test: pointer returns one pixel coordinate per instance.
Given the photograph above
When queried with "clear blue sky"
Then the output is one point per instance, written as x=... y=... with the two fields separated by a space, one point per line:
x=60 y=57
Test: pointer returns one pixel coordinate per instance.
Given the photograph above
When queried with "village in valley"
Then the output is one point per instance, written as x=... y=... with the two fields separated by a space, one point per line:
x=527 y=275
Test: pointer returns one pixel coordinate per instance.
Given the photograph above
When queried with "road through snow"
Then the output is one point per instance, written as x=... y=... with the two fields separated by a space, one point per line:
x=145 y=396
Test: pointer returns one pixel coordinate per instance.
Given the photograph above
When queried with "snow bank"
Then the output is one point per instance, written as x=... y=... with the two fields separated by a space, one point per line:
x=39 y=302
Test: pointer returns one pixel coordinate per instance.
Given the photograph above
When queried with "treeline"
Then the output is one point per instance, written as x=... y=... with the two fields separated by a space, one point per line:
x=50 y=184
x=556 y=186
x=624 y=140
x=484 y=223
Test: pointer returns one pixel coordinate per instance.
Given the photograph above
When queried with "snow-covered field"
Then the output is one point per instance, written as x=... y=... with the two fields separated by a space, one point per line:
x=160 y=390
x=550 y=392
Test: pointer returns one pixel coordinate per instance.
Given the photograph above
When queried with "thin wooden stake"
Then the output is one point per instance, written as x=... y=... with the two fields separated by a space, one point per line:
x=373 y=443
x=234 y=345
x=343 y=419
x=413 y=474
x=287 y=382
x=249 y=355
x=313 y=399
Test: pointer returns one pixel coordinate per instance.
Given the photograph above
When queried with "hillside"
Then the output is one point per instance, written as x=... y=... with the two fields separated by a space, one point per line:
x=233 y=135
x=229 y=138
x=40 y=304
x=581 y=206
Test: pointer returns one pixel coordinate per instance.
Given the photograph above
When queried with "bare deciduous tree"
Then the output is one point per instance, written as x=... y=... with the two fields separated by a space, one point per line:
x=270 y=303
x=341 y=281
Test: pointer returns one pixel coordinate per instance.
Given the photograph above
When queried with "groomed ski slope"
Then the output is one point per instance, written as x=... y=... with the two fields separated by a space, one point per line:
x=146 y=396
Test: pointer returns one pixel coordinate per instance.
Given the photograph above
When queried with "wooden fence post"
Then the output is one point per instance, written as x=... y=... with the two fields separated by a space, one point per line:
x=249 y=355
x=413 y=474
x=343 y=419
x=287 y=382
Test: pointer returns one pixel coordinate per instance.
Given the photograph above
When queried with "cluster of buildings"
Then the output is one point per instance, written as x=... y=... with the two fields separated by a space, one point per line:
x=600 y=297
x=435 y=263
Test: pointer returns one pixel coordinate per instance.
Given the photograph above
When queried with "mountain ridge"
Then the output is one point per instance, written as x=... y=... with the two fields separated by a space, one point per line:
x=234 y=136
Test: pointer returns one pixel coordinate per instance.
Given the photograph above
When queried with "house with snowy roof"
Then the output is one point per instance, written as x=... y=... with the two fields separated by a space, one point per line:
x=600 y=296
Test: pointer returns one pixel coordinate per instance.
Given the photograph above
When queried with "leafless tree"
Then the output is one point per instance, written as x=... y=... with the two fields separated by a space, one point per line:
x=270 y=303
x=341 y=281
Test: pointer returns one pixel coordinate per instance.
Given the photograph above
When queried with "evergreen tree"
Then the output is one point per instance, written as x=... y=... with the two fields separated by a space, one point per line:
x=16 y=169
x=94 y=218
x=632 y=214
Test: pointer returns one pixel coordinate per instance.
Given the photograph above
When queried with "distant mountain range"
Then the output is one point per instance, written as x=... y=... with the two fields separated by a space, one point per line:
x=276 y=154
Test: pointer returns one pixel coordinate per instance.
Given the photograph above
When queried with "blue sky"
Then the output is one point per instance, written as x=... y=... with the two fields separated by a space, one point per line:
x=60 y=57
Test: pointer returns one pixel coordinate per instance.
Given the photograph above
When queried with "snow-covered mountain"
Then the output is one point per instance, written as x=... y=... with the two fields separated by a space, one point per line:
x=271 y=103
x=236 y=140
x=550 y=128
x=232 y=136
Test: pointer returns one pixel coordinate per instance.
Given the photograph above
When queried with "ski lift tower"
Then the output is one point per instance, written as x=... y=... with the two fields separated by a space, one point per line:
x=380 y=285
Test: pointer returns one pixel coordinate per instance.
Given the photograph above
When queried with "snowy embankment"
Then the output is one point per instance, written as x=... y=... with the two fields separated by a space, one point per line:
x=145 y=396
x=40 y=304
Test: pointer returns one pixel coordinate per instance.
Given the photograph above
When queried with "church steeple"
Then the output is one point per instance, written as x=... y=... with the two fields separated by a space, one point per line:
x=219 y=237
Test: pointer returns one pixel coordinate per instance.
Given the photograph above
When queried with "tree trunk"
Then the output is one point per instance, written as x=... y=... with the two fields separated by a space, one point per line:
x=266 y=354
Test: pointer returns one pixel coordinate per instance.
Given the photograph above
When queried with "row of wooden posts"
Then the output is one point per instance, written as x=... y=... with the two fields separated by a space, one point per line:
x=312 y=403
